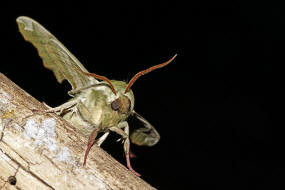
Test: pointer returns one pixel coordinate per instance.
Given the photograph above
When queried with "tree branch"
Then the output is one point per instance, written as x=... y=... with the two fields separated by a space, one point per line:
x=42 y=151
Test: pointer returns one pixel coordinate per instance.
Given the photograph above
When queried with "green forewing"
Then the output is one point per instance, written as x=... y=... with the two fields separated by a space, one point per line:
x=54 y=55
x=147 y=135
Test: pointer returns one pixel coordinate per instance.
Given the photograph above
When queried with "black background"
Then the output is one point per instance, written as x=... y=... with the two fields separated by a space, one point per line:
x=217 y=106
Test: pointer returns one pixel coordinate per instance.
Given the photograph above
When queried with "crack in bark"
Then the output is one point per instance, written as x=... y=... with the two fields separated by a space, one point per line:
x=17 y=169
x=2 y=132
x=23 y=168
x=30 y=172
x=29 y=163
x=41 y=180
x=49 y=159
x=4 y=183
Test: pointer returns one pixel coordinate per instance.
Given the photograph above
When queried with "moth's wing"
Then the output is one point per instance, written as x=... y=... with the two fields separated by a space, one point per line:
x=146 y=135
x=69 y=66
x=54 y=55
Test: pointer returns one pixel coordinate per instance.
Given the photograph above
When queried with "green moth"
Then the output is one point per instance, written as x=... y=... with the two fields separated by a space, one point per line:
x=98 y=104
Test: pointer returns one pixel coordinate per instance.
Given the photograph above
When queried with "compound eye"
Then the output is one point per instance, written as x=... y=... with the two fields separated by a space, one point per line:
x=115 y=105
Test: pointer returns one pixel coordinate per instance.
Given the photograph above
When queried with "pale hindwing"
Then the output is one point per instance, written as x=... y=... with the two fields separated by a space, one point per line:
x=54 y=55
x=147 y=135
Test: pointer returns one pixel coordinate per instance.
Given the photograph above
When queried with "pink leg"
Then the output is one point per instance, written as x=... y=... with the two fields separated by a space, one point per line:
x=129 y=164
x=90 y=143
x=125 y=135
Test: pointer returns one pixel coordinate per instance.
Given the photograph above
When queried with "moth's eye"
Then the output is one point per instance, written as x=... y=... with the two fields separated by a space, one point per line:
x=115 y=105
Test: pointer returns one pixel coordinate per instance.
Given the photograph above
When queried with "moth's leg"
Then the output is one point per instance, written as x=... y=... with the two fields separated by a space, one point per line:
x=102 y=138
x=92 y=140
x=125 y=135
x=59 y=109
x=84 y=112
x=90 y=143
x=126 y=130
x=86 y=116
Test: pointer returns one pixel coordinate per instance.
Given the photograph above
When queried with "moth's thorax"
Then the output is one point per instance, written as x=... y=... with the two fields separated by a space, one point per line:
x=106 y=109
x=108 y=94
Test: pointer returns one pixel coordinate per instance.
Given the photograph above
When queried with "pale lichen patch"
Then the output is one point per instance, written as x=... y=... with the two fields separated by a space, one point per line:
x=31 y=129
x=44 y=134
x=65 y=156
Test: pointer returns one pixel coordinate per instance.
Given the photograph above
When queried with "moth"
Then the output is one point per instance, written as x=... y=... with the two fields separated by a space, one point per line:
x=98 y=105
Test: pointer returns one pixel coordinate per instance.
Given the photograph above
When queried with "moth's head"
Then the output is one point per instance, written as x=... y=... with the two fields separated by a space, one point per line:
x=124 y=101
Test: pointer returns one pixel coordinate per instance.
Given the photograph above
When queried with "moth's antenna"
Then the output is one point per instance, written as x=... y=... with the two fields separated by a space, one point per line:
x=147 y=71
x=101 y=78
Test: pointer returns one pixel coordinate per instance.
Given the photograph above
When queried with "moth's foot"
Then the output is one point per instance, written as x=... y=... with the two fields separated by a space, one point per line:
x=129 y=165
x=43 y=110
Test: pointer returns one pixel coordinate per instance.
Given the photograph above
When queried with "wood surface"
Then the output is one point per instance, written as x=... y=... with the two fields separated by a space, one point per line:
x=40 y=151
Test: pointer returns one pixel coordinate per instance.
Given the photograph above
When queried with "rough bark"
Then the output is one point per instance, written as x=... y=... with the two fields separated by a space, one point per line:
x=42 y=151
